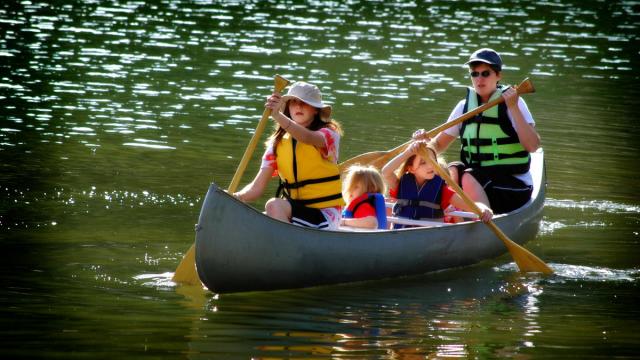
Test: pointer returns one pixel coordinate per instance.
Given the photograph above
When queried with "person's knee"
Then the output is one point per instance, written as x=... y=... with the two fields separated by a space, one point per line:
x=468 y=181
x=272 y=206
x=472 y=187
x=277 y=208
x=456 y=170
x=453 y=173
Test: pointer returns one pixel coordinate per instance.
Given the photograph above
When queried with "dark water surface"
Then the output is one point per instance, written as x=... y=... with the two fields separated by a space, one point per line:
x=116 y=116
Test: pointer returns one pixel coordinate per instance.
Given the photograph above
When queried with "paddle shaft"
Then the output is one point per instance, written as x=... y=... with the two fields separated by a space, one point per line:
x=526 y=261
x=280 y=84
x=186 y=271
x=379 y=159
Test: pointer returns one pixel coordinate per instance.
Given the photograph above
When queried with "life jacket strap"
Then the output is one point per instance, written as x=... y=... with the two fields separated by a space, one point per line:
x=299 y=184
x=414 y=202
x=306 y=202
x=487 y=157
x=377 y=201
x=488 y=142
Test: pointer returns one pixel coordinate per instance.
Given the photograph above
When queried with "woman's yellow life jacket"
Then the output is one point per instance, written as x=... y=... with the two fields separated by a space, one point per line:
x=306 y=177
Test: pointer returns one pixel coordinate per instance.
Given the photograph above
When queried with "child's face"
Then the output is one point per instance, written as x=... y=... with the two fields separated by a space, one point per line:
x=422 y=169
x=301 y=112
x=356 y=191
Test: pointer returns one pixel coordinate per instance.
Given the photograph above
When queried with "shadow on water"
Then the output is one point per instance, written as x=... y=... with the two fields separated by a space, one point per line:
x=27 y=162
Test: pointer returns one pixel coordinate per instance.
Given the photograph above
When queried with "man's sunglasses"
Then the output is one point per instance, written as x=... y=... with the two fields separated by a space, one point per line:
x=484 y=74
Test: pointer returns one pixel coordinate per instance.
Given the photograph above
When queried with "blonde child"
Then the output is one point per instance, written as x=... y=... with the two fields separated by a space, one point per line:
x=303 y=152
x=421 y=193
x=362 y=190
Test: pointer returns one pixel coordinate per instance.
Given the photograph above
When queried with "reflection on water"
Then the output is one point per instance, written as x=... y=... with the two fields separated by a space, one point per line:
x=441 y=324
x=597 y=205
x=117 y=114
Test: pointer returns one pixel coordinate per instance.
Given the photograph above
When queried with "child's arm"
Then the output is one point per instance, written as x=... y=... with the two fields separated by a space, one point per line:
x=367 y=222
x=305 y=135
x=299 y=132
x=255 y=188
x=486 y=215
x=388 y=171
x=296 y=130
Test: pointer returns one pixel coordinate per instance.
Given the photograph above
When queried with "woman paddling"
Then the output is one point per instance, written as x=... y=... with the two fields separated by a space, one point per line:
x=496 y=144
x=303 y=151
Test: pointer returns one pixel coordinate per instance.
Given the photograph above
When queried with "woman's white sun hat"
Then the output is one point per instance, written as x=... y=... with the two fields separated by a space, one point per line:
x=309 y=94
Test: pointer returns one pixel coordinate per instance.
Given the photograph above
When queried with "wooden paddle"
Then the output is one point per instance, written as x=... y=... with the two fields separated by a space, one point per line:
x=380 y=158
x=186 y=271
x=526 y=261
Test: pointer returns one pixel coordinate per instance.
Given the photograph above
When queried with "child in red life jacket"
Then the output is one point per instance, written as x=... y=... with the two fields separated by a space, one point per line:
x=362 y=190
x=421 y=193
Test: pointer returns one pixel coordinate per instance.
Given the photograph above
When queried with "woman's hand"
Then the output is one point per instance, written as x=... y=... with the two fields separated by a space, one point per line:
x=511 y=97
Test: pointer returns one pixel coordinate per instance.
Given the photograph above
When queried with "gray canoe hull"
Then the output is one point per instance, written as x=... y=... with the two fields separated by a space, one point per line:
x=238 y=248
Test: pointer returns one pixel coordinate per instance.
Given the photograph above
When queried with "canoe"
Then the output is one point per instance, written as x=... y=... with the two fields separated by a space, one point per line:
x=238 y=248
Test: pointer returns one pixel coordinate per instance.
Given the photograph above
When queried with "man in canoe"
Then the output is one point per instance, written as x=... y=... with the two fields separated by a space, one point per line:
x=495 y=145
x=303 y=152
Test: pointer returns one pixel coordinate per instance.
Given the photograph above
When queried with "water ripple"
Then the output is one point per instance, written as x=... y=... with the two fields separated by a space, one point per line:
x=564 y=272
x=600 y=205
x=567 y=272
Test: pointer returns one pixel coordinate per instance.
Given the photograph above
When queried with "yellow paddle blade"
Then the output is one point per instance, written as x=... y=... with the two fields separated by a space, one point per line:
x=186 y=272
x=526 y=261
x=364 y=159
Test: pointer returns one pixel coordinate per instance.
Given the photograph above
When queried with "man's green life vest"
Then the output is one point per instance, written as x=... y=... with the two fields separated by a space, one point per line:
x=489 y=141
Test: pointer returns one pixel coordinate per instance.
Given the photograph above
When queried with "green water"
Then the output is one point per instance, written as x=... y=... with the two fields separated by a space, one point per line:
x=117 y=115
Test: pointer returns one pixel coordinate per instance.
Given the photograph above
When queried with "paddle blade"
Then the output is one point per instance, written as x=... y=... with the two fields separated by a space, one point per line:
x=526 y=261
x=186 y=272
x=525 y=87
x=280 y=83
x=377 y=159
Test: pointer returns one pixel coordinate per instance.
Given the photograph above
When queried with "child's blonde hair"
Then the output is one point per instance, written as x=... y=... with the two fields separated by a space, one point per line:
x=431 y=147
x=368 y=176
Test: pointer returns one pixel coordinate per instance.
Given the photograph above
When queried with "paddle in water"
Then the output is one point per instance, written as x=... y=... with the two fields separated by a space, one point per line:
x=186 y=272
x=526 y=261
